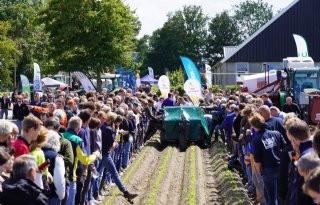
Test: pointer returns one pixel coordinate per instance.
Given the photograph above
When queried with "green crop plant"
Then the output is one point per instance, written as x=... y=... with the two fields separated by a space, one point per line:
x=192 y=196
x=157 y=183
x=230 y=177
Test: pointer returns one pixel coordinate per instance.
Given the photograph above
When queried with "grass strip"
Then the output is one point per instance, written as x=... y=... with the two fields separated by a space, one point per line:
x=193 y=189
x=157 y=183
x=230 y=177
x=130 y=172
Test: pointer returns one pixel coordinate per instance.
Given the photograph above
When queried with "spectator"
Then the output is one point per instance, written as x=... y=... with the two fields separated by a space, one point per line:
x=65 y=150
x=56 y=168
x=266 y=99
x=275 y=112
x=6 y=129
x=20 y=111
x=4 y=160
x=36 y=151
x=74 y=128
x=21 y=189
x=168 y=101
x=31 y=127
x=5 y=103
x=306 y=164
x=159 y=103
x=291 y=107
x=316 y=142
x=267 y=146
x=36 y=103
x=299 y=136
x=311 y=187
x=272 y=123
x=108 y=144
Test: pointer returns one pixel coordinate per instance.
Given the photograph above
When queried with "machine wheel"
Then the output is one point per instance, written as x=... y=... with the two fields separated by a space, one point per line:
x=163 y=141
x=204 y=142
x=183 y=141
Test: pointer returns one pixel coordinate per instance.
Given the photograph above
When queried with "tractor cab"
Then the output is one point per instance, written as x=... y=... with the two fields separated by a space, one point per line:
x=303 y=85
x=302 y=82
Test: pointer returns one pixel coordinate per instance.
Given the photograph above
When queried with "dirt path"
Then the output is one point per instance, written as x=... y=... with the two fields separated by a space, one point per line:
x=168 y=176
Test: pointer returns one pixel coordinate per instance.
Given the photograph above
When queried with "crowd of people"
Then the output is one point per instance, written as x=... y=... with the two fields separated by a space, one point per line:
x=275 y=152
x=68 y=149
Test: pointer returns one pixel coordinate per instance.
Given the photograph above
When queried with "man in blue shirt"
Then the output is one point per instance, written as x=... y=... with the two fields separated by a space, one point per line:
x=267 y=147
x=168 y=102
x=266 y=99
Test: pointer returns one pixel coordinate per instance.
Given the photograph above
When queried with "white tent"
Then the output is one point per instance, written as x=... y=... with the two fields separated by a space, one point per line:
x=49 y=82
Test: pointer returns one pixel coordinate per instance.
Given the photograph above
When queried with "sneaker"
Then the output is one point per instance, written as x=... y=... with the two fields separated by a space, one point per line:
x=129 y=195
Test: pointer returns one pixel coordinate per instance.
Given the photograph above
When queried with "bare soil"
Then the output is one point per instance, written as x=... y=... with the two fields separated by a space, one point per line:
x=212 y=185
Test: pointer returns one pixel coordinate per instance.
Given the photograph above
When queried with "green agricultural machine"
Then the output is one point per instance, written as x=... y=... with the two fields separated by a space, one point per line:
x=184 y=125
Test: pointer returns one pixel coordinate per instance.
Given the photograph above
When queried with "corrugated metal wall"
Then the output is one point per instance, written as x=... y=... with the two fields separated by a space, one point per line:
x=276 y=41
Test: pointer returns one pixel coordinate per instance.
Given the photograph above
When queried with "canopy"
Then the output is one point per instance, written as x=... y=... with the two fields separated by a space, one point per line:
x=49 y=82
x=148 y=79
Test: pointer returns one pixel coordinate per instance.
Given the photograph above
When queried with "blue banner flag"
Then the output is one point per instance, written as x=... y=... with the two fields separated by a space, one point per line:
x=191 y=69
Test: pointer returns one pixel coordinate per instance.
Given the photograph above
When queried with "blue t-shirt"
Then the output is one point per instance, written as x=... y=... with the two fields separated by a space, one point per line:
x=267 y=146
x=167 y=102
x=275 y=123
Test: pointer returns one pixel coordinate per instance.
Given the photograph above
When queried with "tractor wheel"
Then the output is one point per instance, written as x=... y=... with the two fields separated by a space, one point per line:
x=183 y=141
x=163 y=140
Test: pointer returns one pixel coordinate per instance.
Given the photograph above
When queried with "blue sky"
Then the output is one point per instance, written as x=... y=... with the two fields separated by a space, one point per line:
x=153 y=13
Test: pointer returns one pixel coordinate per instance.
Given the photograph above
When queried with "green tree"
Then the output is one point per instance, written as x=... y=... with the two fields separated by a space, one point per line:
x=252 y=15
x=184 y=33
x=89 y=35
x=223 y=31
x=176 y=79
x=9 y=55
x=28 y=36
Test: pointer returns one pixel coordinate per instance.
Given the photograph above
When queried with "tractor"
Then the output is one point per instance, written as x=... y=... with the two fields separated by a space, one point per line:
x=299 y=79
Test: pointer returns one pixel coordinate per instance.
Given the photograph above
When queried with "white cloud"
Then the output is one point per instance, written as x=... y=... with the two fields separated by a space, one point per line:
x=153 y=13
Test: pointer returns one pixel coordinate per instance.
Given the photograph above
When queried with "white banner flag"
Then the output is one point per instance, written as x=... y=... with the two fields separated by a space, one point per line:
x=193 y=89
x=164 y=85
x=36 y=77
x=301 y=44
x=208 y=76
x=151 y=72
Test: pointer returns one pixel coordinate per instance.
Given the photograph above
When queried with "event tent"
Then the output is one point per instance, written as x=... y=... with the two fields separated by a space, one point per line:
x=148 y=79
x=49 y=82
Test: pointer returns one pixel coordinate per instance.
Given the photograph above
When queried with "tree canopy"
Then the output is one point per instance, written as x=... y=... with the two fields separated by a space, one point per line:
x=223 y=31
x=252 y=15
x=184 y=33
x=89 y=35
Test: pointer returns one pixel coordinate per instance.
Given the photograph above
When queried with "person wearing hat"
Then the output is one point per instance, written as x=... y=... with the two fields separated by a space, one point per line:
x=306 y=164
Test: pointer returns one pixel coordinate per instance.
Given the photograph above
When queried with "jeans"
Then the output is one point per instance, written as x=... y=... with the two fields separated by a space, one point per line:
x=64 y=201
x=270 y=177
x=72 y=193
x=86 y=187
x=126 y=152
x=108 y=163
x=117 y=156
x=54 y=201
x=5 y=112
x=19 y=125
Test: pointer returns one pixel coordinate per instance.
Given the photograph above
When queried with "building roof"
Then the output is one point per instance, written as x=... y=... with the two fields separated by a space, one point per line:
x=274 y=41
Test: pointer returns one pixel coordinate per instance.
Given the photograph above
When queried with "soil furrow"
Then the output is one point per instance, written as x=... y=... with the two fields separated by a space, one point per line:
x=171 y=186
x=186 y=178
x=138 y=182
x=212 y=191
x=153 y=178
x=200 y=178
